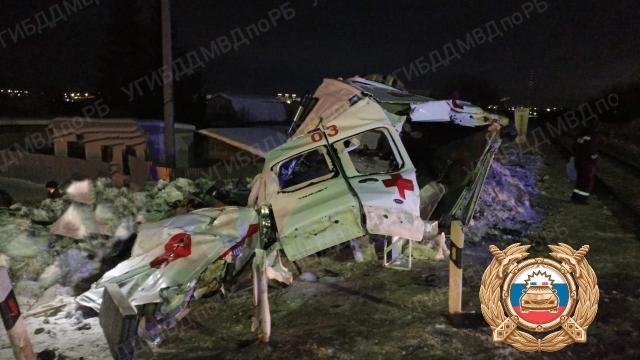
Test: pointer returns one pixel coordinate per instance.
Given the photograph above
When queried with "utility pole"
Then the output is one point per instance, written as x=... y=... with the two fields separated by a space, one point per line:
x=167 y=78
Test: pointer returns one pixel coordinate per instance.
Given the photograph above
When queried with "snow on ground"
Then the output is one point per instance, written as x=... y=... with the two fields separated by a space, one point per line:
x=56 y=249
x=64 y=332
x=504 y=208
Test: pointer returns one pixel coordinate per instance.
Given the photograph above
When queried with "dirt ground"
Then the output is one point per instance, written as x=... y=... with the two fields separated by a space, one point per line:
x=364 y=311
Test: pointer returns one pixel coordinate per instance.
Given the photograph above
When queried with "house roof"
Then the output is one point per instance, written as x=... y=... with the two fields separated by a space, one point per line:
x=257 y=141
x=252 y=108
x=93 y=130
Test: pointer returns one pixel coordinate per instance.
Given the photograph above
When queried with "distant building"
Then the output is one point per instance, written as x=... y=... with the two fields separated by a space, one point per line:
x=117 y=142
x=236 y=110
x=241 y=128
x=226 y=142
x=237 y=152
x=78 y=148
x=184 y=137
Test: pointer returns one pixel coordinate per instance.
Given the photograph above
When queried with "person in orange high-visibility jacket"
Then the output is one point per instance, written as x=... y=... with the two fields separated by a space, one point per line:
x=586 y=152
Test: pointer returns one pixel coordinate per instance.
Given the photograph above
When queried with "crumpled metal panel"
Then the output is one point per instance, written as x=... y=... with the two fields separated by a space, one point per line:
x=458 y=112
x=387 y=221
x=154 y=267
x=333 y=99
x=386 y=94
x=316 y=217
x=322 y=233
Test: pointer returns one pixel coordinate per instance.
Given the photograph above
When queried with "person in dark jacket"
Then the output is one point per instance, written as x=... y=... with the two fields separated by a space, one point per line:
x=52 y=190
x=586 y=152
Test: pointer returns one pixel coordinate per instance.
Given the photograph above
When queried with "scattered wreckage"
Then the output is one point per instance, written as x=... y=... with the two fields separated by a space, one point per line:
x=345 y=172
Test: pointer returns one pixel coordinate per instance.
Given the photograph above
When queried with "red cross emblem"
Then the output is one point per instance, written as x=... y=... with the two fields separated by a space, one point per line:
x=401 y=183
x=178 y=246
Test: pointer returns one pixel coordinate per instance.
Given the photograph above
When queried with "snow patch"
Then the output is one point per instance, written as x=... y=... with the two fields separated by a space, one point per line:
x=504 y=206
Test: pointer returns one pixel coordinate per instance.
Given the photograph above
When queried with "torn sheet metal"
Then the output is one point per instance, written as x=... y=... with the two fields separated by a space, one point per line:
x=465 y=206
x=333 y=98
x=386 y=221
x=386 y=94
x=271 y=261
x=458 y=112
x=263 y=187
x=174 y=252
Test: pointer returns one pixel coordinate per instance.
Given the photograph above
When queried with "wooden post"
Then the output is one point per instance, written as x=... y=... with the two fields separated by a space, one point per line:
x=13 y=320
x=455 y=268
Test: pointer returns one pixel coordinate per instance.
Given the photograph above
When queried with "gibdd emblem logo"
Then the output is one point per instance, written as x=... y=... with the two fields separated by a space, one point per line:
x=524 y=302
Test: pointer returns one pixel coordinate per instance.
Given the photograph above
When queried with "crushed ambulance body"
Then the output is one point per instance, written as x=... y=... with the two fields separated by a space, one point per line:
x=363 y=158
x=347 y=170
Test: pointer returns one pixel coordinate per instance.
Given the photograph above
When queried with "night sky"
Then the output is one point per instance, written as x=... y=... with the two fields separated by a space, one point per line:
x=575 y=49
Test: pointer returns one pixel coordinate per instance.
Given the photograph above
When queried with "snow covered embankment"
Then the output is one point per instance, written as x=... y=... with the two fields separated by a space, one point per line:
x=504 y=208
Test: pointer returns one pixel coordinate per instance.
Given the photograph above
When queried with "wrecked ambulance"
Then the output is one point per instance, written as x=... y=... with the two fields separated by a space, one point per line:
x=368 y=159
x=362 y=159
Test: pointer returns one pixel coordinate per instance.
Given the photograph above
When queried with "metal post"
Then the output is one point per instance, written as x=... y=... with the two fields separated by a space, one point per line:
x=13 y=320
x=262 y=313
x=455 y=268
x=167 y=78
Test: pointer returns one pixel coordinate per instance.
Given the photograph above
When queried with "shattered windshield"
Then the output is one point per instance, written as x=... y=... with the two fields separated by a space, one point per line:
x=370 y=152
x=304 y=169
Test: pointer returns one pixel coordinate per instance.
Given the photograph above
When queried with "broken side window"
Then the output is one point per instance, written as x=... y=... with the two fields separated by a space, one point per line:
x=304 y=169
x=370 y=152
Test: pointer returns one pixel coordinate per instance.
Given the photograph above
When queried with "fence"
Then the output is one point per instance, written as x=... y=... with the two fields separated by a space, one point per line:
x=40 y=168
